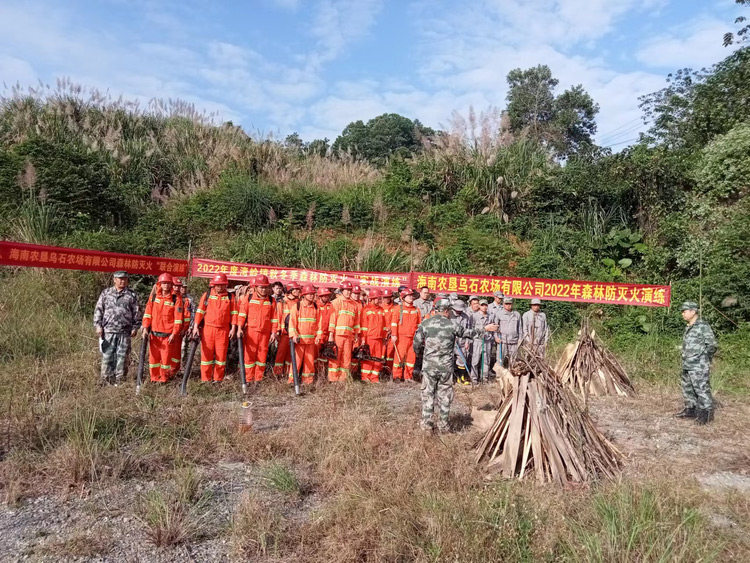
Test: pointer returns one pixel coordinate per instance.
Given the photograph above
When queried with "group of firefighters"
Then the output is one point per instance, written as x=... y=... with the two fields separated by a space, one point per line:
x=349 y=330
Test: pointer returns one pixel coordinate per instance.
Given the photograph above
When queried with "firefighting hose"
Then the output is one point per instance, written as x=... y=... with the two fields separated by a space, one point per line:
x=189 y=364
x=142 y=361
x=243 y=373
x=295 y=371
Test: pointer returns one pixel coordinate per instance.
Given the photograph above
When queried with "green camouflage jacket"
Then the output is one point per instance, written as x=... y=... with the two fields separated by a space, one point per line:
x=437 y=336
x=698 y=346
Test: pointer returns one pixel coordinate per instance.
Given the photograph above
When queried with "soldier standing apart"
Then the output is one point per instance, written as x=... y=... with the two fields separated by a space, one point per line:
x=217 y=309
x=374 y=334
x=423 y=303
x=698 y=349
x=481 y=345
x=116 y=320
x=165 y=316
x=306 y=329
x=343 y=328
x=535 y=327
x=258 y=324
x=406 y=319
x=437 y=337
x=509 y=333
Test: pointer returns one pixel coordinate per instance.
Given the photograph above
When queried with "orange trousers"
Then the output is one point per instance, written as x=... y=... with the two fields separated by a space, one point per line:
x=214 y=345
x=389 y=353
x=341 y=368
x=282 y=364
x=175 y=354
x=159 y=364
x=305 y=353
x=405 y=358
x=370 y=369
x=256 y=350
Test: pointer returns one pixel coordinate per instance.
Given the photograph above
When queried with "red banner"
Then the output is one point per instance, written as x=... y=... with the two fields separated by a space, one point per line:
x=38 y=256
x=205 y=268
x=550 y=290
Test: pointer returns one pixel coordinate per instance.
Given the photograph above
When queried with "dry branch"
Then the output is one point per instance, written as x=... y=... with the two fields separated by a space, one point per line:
x=587 y=367
x=542 y=430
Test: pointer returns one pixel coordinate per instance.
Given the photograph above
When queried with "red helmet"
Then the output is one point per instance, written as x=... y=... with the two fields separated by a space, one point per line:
x=261 y=280
x=356 y=289
x=406 y=291
x=165 y=278
x=308 y=289
x=292 y=285
x=219 y=279
x=387 y=292
x=324 y=291
x=374 y=294
x=346 y=285
x=177 y=282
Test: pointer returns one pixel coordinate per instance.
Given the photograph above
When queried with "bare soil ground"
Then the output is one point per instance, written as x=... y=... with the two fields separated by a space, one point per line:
x=99 y=520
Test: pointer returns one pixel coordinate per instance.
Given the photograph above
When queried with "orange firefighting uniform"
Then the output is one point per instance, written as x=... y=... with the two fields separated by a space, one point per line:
x=344 y=324
x=406 y=319
x=282 y=364
x=324 y=310
x=164 y=315
x=356 y=368
x=305 y=322
x=258 y=318
x=388 y=313
x=373 y=332
x=218 y=312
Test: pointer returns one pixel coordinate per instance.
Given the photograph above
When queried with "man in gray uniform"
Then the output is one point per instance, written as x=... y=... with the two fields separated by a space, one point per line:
x=481 y=345
x=423 y=303
x=461 y=319
x=535 y=327
x=510 y=332
x=117 y=318
x=493 y=310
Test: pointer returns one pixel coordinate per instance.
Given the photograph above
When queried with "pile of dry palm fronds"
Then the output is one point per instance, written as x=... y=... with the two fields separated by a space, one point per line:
x=587 y=367
x=542 y=430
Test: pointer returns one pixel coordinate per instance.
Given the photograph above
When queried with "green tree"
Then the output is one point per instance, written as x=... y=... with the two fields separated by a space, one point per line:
x=724 y=169
x=564 y=123
x=743 y=33
x=382 y=137
x=698 y=105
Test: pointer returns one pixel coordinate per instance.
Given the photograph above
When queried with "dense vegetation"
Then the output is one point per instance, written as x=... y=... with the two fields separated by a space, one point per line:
x=523 y=191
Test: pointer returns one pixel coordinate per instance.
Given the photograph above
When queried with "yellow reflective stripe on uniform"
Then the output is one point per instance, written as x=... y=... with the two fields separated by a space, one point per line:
x=157 y=300
x=307 y=336
x=409 y=365
x=146 y=316
x=262 y=364
x=154 y=365
x=218 y=363
x=275 y=320
x=209 y=363
x=254 y=301
x=165 y=367
x=175 y=360
x=338 y=327
x=307 y=320
x=243 y=315
x=213 y=297
x=365 y=328
x=232 y=312
x=248 y=366
x=178 y=322
x=345 y=312
x=200 y=311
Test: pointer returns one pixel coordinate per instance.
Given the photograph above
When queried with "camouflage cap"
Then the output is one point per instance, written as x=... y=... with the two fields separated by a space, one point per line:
x=507 y=300
x=458 y=305
x=483 y=302
x=453 y=296
x=121 y=274
x=536 y=301
x=499 y=294
x=689 y=306
x=442 y=305
x=473 y=298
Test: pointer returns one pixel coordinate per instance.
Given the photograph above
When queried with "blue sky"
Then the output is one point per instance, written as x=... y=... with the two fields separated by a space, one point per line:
x=312 y=66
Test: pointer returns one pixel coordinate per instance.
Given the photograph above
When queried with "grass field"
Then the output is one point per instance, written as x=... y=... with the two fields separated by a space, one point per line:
x=342 y=474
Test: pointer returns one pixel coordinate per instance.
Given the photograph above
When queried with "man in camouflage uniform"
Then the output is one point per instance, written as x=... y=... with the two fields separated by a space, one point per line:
x=509 y=333
x=117 y=318
x=698 y=348
x=436 y=339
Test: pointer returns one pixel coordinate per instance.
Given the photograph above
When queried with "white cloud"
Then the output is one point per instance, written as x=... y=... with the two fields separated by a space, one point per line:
x=337 y=23
x=17 y=71
x=695 y=44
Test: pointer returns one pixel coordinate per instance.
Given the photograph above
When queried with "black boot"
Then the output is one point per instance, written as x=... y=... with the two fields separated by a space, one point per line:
x=687 y=412
x=704 y=416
